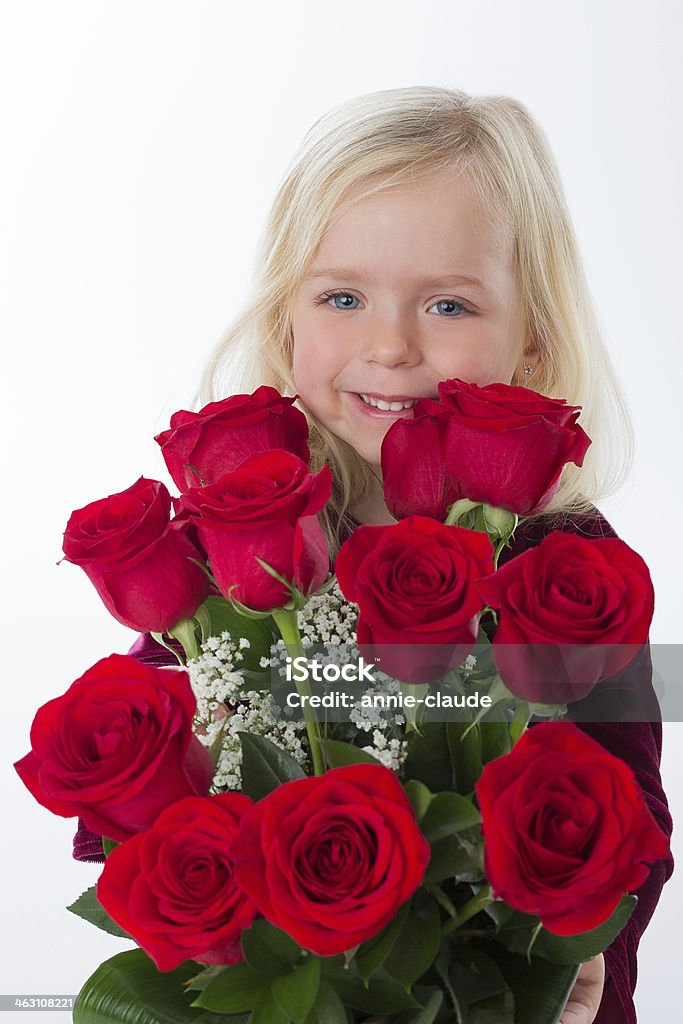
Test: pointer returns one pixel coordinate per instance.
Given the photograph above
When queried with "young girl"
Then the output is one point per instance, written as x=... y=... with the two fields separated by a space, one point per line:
x=422 y=234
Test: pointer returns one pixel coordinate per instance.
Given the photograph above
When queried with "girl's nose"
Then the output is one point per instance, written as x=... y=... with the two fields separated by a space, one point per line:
x=391 y=345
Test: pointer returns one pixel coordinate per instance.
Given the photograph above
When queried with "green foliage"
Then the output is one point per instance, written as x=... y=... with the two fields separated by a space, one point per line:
x=265 y=766
x=268 y=949
x=516 y=931
x=383 y=994
x=339 y=754
x=295 y=991
x=420 y=797
x=459 y=856
x=428 y=760
x=328 y=1007
x=448 y=814
x=417 y=942
x=374 y=952
x=128 y=989
x=464 y=748
x=540 y=989
x=222 y=617
x=495 y=740
x=235 y=990
x=90 y=909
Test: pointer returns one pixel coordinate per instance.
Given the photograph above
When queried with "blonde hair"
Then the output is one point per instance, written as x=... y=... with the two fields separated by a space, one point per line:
x=390 y=138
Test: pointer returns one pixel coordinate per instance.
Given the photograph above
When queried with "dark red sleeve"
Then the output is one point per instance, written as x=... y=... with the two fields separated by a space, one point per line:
x=87 y=846
x=639 y=744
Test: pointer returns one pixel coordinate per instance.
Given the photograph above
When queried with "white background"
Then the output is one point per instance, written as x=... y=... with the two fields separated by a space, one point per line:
x=142 y=143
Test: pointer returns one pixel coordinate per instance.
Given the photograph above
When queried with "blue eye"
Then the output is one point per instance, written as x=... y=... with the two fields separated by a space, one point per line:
x=451 y=302
x=453 y=314
x=335 y=295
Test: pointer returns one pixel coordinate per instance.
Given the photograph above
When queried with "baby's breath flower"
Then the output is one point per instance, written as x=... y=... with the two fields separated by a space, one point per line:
x=227 y=705
x=391 y=753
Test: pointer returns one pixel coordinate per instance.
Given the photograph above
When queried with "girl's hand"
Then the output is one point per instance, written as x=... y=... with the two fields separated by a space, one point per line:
x=584 y=998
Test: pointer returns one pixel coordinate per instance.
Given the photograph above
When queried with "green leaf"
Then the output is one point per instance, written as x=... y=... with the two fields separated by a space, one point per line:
x=447 y=814
x=128 y=989
x=266 y=1011
x=201 y=980
x=465 y=755
x=474 y=975
x=475 y=984
x=540 y=989
x=265 y=766
x=295 y=992
x=420 y=797
x=516 y=932
x=90 y=909
x=460 y=857
x=268 y=949
x=495 y=740
x=499 y=911
x=428 y=758
x=382 y=995
x=328 y=1007
x=108 y=845
x=429 y=1012
x=417 y=943
x=224 y=618
x=498 y=1009
x=339 y=754
x=235 y=990
x=520 y=719
x=374 y=952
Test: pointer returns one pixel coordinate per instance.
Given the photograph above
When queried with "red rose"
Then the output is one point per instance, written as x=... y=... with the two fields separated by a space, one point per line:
x=138 y=560
x=501 y=444
x=117 y=747
x=266 y=508
x=330 y=859
x=414 y=474
x=415 y=584
x=571 y=611
x=173 y=887
x=223 y=434
x=566 y=828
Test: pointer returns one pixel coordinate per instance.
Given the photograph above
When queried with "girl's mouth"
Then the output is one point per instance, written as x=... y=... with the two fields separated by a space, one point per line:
x=379 y=408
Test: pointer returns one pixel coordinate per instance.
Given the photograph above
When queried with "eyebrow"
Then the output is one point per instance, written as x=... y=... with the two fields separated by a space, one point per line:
x=352 y=274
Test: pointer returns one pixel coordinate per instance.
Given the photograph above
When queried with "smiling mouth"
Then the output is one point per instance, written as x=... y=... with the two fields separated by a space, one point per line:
x=387 y=405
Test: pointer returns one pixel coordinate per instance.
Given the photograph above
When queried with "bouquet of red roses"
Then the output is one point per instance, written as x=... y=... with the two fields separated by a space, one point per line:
x=270 y=870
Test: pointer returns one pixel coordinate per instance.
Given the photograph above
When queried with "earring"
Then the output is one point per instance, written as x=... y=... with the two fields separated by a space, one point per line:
x=528 y=369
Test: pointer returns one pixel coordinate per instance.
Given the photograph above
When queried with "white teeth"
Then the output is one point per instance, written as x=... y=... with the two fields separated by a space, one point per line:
x=388 y=406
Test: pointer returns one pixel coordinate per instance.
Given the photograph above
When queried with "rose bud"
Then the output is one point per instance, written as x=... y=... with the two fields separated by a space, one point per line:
x=199 y=447
x=117 y=747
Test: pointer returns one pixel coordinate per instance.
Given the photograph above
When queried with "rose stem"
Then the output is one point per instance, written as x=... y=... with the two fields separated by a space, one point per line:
x=468 y=910
x=286 y=622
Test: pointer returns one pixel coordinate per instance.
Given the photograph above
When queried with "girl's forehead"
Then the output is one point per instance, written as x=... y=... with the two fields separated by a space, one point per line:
x=431 y=226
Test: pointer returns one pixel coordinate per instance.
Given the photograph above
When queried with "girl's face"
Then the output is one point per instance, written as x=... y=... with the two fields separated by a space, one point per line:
x=407 y=288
